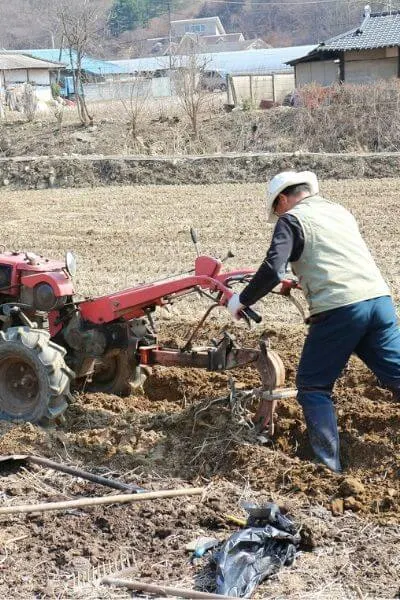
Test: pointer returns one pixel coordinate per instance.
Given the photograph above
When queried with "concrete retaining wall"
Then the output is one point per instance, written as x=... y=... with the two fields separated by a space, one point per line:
x=83 y=171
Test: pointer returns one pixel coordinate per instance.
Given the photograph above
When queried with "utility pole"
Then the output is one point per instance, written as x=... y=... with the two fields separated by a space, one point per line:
x=169 y=35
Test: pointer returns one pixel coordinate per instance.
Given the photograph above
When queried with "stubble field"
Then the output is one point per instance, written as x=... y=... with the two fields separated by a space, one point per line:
x=124 y=236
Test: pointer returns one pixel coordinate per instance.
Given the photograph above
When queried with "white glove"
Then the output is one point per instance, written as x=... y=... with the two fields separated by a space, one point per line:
x=235 y=306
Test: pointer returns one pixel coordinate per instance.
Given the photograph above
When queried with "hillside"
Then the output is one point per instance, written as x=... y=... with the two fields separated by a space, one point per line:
x=29 y=23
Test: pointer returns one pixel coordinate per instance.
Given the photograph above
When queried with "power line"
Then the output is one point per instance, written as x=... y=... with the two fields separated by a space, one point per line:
x=267 y=4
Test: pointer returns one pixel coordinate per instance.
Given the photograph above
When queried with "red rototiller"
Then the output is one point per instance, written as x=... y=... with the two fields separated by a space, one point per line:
x=50 y=340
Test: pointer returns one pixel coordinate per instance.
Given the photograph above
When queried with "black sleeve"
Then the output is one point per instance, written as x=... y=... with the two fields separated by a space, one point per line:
x=286 y=246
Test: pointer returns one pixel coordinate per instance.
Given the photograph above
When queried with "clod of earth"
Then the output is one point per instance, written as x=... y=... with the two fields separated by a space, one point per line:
x=337 y=506
x=350 y=486
x=350 y=503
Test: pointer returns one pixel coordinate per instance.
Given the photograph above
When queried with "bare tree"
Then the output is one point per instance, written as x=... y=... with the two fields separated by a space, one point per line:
x=79 y=28
x=134 y=95
x=187 y=73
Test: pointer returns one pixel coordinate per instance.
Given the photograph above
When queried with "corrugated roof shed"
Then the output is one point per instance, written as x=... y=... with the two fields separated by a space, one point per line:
x=244 y=62
x=90 y=65
x=13 y=62
x=378 y=30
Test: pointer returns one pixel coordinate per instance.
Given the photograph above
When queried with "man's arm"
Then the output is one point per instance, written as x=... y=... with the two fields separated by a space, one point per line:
x=287 y=245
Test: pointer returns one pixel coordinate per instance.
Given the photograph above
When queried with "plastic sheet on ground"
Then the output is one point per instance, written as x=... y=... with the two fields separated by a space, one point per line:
x=251 y=555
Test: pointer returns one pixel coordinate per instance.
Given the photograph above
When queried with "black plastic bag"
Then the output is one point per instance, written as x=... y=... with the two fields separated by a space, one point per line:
x=255 y=553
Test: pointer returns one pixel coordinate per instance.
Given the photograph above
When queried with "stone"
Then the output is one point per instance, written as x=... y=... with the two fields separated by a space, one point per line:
x=337 y=507
x=351 y=486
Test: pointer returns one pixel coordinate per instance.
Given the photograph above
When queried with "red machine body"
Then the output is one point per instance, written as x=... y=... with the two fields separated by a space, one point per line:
x=101 y=343
x=19 y=269
x=133 y=302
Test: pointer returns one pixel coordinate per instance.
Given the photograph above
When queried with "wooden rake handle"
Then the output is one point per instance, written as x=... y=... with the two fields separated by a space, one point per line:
x=163 y=591
x=82 y=502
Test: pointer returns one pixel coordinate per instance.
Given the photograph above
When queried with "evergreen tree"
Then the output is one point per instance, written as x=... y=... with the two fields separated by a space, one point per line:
x=126 y=15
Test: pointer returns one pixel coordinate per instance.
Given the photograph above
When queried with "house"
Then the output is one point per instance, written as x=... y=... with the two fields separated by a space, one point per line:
x=94 y=70
x=204 y=34
x=202 y=26
x=16 y=69
x=364 y=54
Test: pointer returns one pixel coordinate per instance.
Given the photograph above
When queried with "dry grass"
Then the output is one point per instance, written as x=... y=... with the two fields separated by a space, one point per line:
x=345 y=118
x=162 y=128
x=348 y=117
x=151 y=108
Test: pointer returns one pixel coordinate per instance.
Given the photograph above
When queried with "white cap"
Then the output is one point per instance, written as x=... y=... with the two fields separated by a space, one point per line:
x=284 y=180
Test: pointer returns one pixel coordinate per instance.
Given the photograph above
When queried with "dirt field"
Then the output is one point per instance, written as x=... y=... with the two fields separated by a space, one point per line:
x=158 y=438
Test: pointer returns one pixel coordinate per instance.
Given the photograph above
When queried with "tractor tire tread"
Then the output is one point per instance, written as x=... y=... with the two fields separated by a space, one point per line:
x=51 y=357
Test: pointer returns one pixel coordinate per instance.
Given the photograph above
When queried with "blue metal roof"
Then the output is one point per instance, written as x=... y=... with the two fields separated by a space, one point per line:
x=90 y=65
x=244 y=62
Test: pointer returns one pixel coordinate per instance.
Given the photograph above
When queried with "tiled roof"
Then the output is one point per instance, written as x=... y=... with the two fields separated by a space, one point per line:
x=377 y=31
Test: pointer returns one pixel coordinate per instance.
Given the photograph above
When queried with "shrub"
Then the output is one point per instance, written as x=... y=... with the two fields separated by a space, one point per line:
x=347 y=117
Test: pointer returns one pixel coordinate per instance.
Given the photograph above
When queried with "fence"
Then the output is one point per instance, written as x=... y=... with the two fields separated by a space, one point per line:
x=273 y=88
x=156 y=87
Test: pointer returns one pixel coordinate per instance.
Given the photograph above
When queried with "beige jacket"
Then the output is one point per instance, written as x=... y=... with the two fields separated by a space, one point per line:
x=336 y=268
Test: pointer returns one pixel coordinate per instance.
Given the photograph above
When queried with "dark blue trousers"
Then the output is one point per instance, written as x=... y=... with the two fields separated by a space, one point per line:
x=371 y=331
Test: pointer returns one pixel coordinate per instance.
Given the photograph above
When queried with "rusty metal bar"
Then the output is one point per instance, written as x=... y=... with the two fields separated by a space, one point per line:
x=170 y=358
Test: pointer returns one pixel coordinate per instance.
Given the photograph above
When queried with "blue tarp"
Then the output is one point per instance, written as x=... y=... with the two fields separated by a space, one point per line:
x=90 y=65
x=242 y=62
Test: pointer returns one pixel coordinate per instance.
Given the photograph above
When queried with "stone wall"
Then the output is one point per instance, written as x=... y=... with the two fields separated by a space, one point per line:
x=83 y=171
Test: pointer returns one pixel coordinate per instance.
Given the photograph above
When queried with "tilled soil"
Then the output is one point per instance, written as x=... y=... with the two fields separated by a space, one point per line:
x=176 y=433
x=172 y=434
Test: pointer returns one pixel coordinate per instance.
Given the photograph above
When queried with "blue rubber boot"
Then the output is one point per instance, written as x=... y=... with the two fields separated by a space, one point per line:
x=320 y=417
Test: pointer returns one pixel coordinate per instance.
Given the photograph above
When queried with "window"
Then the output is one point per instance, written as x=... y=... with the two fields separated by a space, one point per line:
x=195 y=28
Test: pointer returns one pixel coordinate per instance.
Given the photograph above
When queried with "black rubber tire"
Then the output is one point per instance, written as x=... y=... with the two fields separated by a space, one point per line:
x=118 y=381
x=29 y=354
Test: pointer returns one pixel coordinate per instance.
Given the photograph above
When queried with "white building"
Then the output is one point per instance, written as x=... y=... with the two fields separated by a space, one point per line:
x=17 y=69
x=202 y=26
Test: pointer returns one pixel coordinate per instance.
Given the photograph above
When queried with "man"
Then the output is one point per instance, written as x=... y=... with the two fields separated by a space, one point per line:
x=350 y=305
